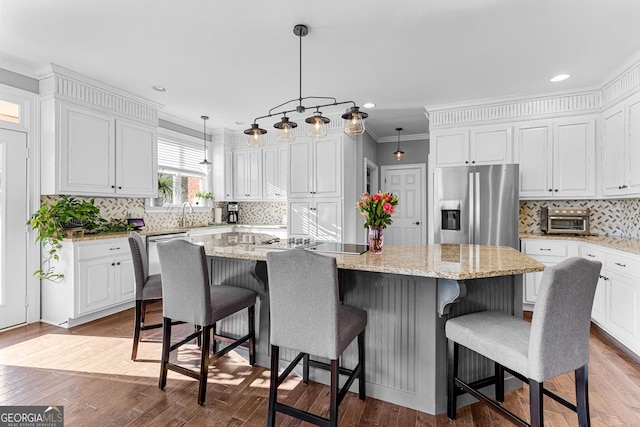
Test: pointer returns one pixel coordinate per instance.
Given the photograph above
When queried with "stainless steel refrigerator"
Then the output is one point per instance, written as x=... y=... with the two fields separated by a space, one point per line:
x=477 y=205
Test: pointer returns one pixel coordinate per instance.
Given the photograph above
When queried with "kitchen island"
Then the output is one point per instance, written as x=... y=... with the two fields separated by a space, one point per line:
x=408 y=293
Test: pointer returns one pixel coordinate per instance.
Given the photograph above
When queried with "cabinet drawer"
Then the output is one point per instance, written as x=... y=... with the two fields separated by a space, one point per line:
x=593 y=254
x=623 y=264
x=549 y=248
x=110 y=248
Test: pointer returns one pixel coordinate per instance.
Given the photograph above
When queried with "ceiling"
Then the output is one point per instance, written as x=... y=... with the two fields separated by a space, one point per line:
x=234 y=60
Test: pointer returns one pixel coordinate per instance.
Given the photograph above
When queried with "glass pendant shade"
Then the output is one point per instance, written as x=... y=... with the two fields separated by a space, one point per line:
x=398 y=154
x=354 y=124
x=255 y=136
x=287 y=133
x=317 y=125
x=205 y=165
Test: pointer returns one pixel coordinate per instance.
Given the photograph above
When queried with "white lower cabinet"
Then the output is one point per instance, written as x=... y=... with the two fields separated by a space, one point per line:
x=98 y=281
x=616 y=304
x=548 y=252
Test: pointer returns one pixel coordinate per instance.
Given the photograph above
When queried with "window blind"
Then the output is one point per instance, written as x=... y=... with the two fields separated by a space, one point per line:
x=173 y=156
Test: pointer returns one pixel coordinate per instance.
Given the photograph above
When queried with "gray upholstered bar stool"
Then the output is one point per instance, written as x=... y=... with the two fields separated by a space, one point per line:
x=188 y=297
x=554 y=343
x=148 y=288
x=306 y=316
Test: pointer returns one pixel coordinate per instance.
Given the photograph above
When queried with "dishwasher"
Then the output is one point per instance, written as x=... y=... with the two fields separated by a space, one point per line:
x=152 y=248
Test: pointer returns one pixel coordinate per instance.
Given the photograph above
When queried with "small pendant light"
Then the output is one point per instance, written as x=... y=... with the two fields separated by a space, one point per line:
x=354 y=124
x=255 y=136
x=205 y=164
x=317 y=125
x=398 y=153
x=286 y=127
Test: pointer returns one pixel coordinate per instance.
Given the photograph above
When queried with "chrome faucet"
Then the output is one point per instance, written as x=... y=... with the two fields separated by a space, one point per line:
x=183 y=221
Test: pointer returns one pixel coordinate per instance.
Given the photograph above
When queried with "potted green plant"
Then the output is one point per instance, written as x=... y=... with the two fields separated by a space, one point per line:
x=206 y=198
x=51 y=220
x=165 y=190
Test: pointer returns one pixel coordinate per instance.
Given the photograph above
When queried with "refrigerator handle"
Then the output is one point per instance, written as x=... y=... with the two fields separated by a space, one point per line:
x=476 y=208
x=472 y=206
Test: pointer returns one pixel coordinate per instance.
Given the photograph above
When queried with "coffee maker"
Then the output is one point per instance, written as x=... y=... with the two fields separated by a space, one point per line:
x=232 y=212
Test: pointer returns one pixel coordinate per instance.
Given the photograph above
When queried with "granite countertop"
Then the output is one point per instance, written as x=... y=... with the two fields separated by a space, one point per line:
x=148 y=231
x=624 y=244
x=457 y=262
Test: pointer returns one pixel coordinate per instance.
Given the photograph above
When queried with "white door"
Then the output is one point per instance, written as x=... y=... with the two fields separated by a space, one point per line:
x=13 y=216
x=409 y=220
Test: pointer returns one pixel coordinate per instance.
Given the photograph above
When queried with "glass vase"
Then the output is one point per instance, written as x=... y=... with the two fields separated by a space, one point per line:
x=376 y=239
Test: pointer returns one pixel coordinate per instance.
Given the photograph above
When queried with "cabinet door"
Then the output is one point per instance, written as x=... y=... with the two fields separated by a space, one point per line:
x=327 y=216
x=272 y=177
x=533 y=146
x=86 y=152
x=622 y=308
x=633 y=145
x=239 y=175
x=283 y=169
x=327 y=168
x=491 y=146
x=254 y=174
x=300 y=221
x=95 y=286
x=124 y=282
x=300 y=169
x=136 y=160
x=228 y=174
x=451 y=149
x=613 y=141
x=574 y=159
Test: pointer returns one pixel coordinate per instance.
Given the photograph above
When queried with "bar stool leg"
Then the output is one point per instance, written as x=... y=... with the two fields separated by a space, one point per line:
x=333 y=406
x=252 y=334
x=166 y=346
x=204 y=364
x=273 y=386
x=582 y=396
x=452 y=373
x=535 y=402
x=361 y=358
x=499 y=382
x=138 y=319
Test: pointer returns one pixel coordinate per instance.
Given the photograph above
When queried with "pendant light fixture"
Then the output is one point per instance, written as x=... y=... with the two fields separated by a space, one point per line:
x=354 y=118
x=398 y=153
x=205 y=164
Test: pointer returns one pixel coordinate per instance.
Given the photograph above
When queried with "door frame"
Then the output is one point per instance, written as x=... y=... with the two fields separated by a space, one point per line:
x=29 y=126
x=423 y=184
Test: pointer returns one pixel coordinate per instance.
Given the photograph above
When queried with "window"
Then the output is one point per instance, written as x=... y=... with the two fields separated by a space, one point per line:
x=179 y=170
x=9 y=112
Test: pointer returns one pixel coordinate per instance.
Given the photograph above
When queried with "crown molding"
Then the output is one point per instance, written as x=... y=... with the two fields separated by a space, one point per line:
x=622 y=82
x=15 y=65
x=63 y=84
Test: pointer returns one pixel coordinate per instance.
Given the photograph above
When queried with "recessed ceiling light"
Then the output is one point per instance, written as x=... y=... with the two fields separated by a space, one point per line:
x=159 y=88
x=369 y=105
x=239 y=122
x=560 y=77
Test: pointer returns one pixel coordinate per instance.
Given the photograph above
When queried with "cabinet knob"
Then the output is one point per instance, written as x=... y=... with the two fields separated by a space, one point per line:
x=118 y=263
x=473 y=162
x=113 y=263
x=113 y=186
x=550 y=189
x=417 y=223
x=119 y=188
x=556 y=190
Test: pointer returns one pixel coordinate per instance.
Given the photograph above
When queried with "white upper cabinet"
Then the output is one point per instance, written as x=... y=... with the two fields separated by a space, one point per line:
x=621 y=148
x=275 y=164
x=136 y=160
x=95 y=140
x=247 y=174
x=315 y=168
x=482 y=145
x=557 y=158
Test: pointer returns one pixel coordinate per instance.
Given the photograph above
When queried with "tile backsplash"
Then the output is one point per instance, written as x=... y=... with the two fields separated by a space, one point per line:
x=615 y=217
x=119 y=208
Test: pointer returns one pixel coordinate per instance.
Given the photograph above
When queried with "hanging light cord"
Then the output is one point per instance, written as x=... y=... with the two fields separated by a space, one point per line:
x=301 y=32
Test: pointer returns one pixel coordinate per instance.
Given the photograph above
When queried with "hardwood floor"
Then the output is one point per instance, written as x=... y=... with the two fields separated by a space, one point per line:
x=87 y=370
